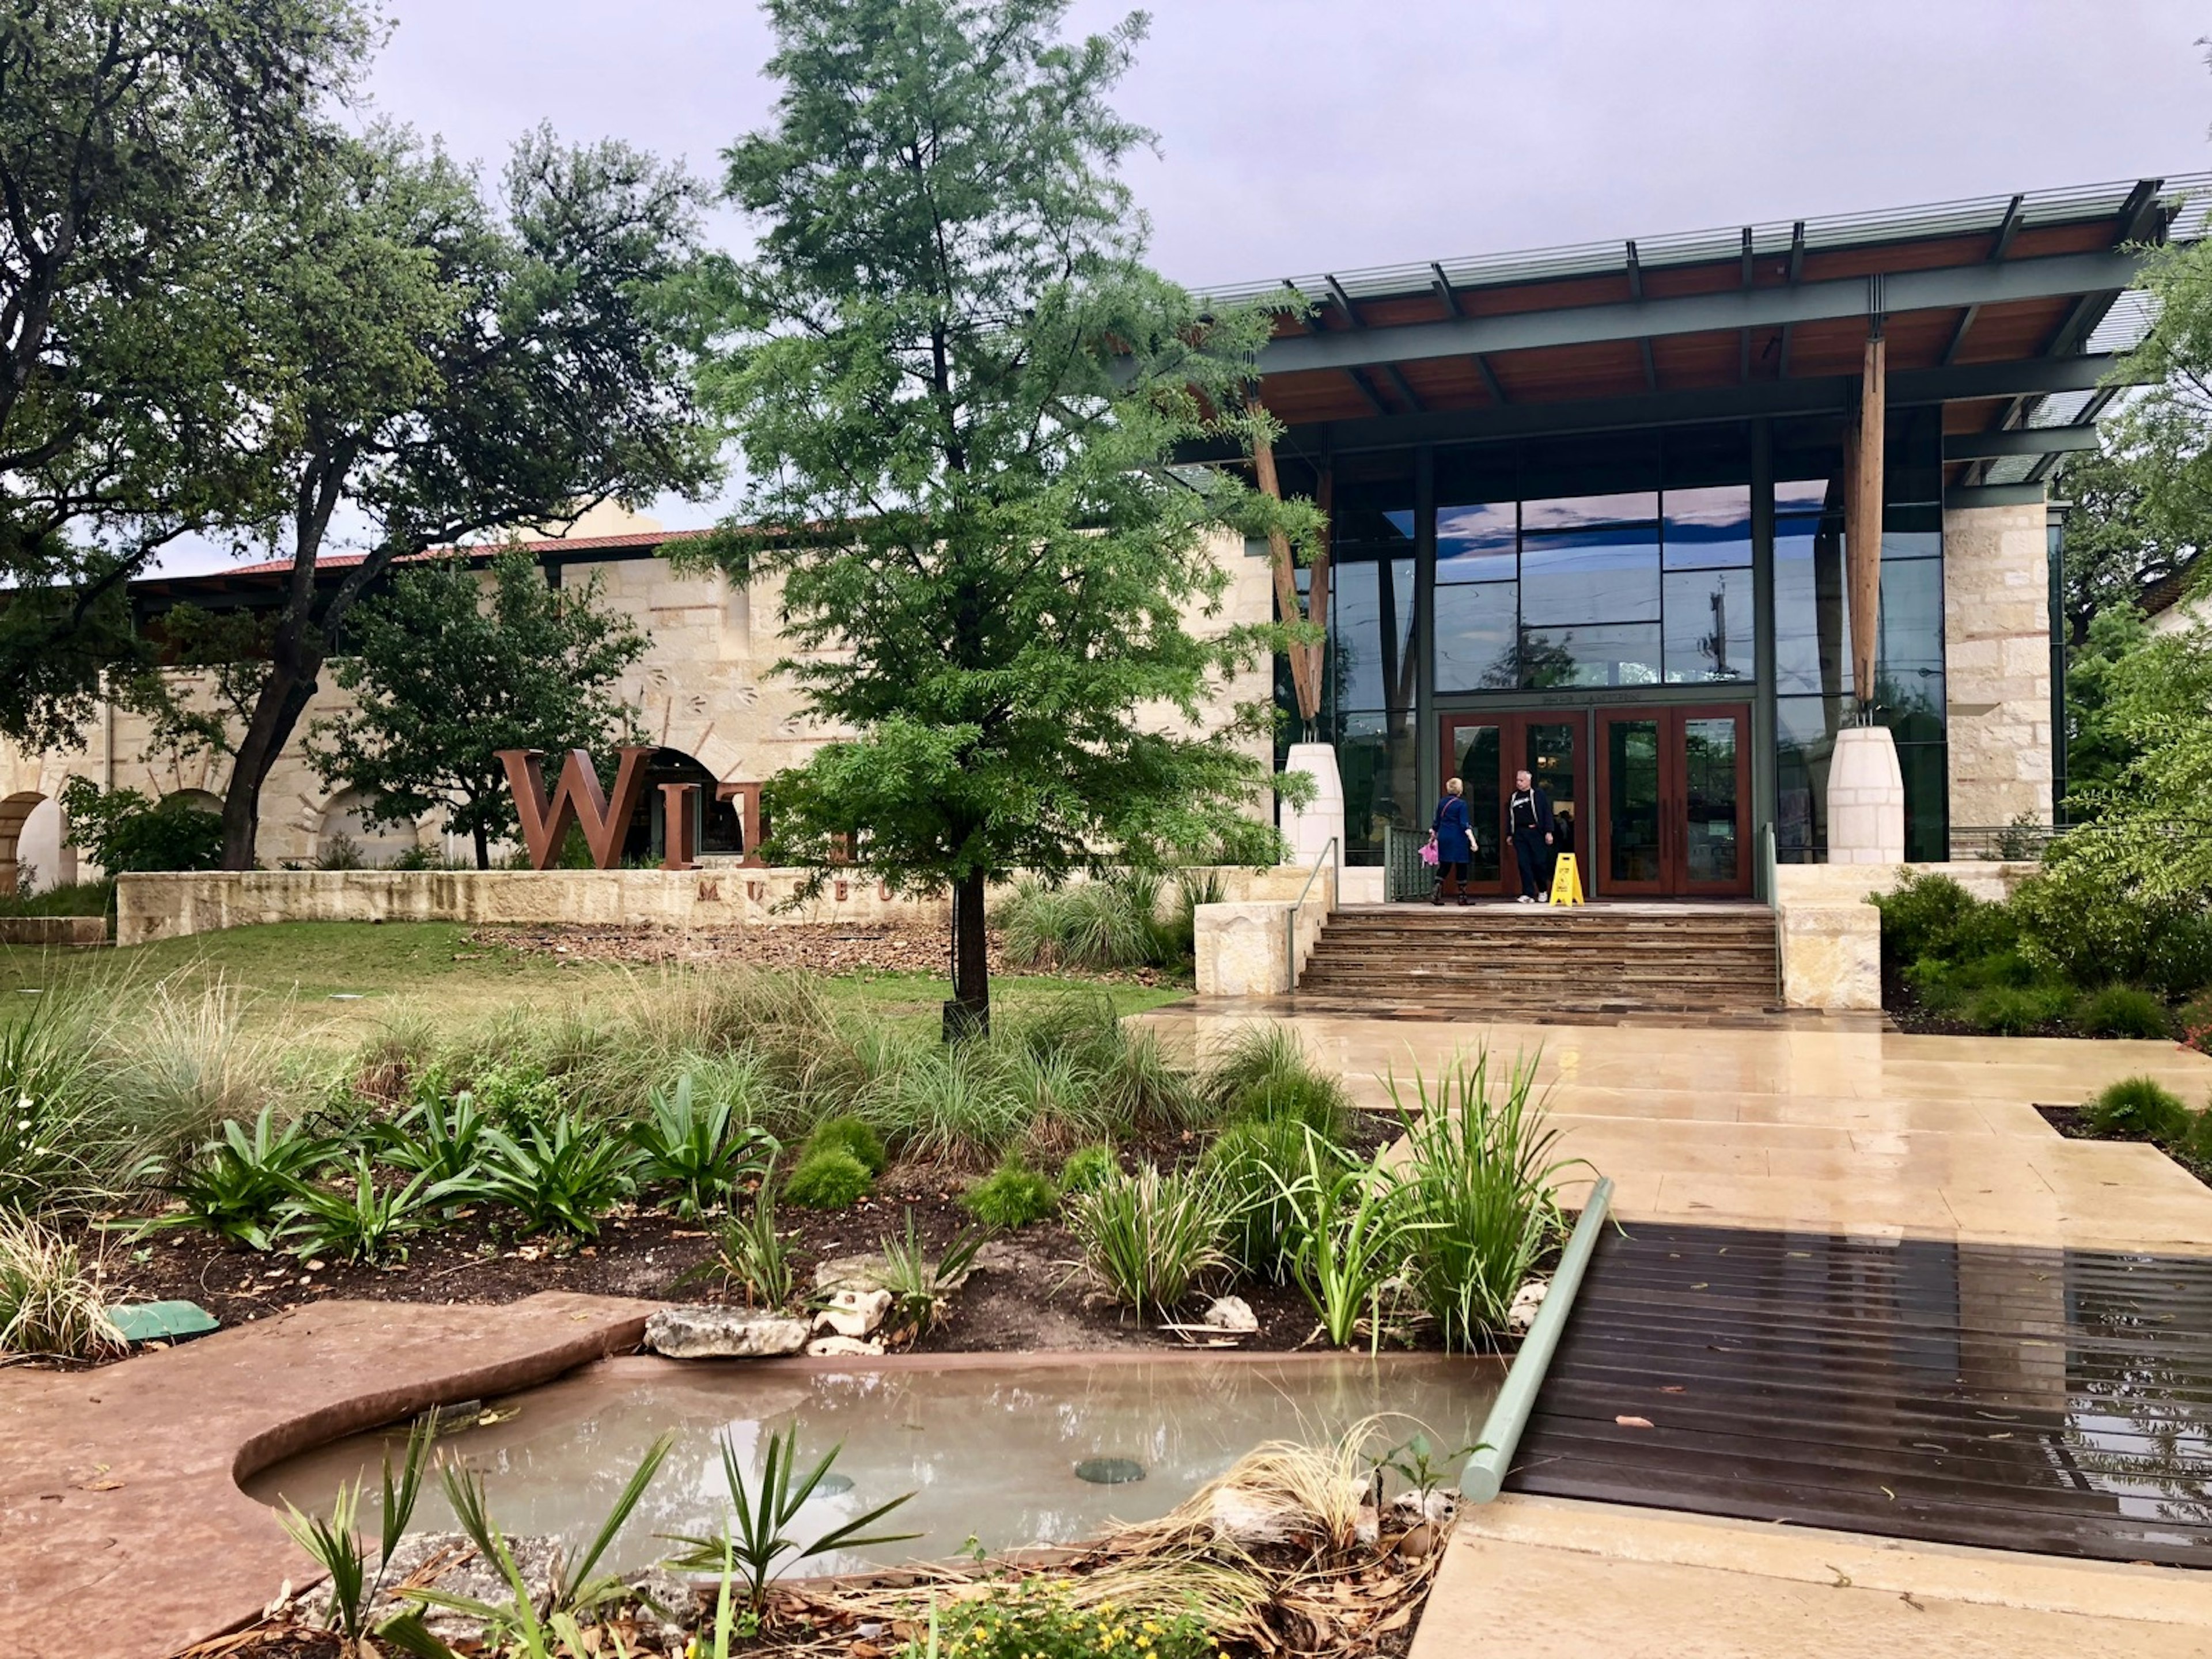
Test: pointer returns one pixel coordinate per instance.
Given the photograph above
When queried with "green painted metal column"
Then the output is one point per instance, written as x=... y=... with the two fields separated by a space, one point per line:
x=1764 y=769
x=1428 y=764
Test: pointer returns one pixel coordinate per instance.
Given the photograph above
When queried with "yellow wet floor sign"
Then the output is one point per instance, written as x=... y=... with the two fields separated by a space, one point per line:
x=1567 y=881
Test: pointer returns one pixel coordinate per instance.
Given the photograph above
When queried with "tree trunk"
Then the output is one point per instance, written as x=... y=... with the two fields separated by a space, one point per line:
x=284 y=697
x=484 y=847
x=968 y=1013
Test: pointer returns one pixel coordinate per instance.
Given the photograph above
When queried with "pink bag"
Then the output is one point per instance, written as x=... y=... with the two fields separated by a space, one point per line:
x=1429 y=851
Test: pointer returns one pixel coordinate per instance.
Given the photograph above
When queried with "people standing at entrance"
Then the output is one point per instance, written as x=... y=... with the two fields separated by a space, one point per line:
x=1529 y=823
x=1453 y=832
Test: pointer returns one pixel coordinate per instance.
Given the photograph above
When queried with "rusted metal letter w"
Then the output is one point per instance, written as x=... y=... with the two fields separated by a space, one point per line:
x=577 y=800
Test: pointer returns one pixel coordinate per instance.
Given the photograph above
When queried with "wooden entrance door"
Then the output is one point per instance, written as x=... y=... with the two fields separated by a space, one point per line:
x=1674 y=797
x=1484 y=750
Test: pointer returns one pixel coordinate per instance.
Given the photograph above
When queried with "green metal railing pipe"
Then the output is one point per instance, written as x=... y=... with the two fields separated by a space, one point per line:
x=1509 y=1415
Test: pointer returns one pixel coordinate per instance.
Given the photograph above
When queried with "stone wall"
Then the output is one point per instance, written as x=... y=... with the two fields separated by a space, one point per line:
x=1831 y=936
x=1256 y=943
x=1996 y=643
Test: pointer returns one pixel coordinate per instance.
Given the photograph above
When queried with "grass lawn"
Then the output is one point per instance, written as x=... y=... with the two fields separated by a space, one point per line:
x=341 y=978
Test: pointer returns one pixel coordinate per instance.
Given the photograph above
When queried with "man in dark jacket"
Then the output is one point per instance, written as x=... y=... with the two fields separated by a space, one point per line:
x=1529 y=822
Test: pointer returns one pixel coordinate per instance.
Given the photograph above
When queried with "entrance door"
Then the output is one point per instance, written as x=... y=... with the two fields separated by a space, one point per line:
x=1674 y=785
x=1484 y=752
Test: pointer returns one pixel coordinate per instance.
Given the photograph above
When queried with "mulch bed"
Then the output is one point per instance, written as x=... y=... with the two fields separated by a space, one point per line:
x=2073 y=1122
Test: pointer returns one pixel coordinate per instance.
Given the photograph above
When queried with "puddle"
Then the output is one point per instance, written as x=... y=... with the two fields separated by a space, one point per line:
x=990 y=1450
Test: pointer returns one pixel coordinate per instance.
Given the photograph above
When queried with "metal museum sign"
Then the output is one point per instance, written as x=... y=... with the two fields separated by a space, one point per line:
x=578 y=802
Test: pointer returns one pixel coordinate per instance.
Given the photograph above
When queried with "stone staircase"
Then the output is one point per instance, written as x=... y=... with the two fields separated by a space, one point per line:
x=1530 y=960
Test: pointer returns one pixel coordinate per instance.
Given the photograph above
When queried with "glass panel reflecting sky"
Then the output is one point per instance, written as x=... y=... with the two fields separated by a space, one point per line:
x=1812 y=618
x=1803 y=496
x=1606 y=575
x=1475 y=636
x=1709 y=633
x=1708 y=528
x=1612 y=654
x=1373 y=619
x=1568 y=511
x=1475 y=543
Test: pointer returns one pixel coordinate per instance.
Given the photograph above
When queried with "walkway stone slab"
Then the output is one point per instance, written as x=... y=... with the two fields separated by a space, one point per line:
x=123 y=1532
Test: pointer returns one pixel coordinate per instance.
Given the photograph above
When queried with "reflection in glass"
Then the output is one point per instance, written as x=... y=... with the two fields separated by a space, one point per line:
x=1807 y=496
x=1567 y=512
x=1607 y=575
x=1612 y=654
x=1632 y=801
x=1804 y=740
x=1548 y=752
x=1708 y=528
x=1709 y=776
x=1371 y=625
x=1475 y=637
x=1475 y=543
x=1710 y=636
x=1473 y=759
x=1377 y=757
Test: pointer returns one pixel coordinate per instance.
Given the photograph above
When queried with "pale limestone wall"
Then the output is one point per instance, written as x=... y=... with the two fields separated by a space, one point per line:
x=1996 y=643
x=704 y=687
x=1258 y=946
x=1831 y=936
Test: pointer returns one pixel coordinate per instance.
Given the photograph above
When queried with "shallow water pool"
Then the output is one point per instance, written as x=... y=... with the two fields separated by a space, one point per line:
x=988 y=1446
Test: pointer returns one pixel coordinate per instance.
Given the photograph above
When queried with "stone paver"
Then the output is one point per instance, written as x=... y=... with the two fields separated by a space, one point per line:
x=123 y=1532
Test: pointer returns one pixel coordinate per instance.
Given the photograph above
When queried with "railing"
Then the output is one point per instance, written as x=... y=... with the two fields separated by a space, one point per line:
x=2005 y=842
x=1768 y=861
x=1290 y=921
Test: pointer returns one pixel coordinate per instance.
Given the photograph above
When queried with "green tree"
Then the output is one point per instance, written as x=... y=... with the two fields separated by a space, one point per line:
x=136 y=140
x=2111 y=553
x=960 y=391
x=122 y=830
x=444 y=370
x=2099 y=736
x=443 y=681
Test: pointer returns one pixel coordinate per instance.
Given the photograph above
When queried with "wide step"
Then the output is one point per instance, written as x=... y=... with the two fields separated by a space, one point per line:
x=1525 y=959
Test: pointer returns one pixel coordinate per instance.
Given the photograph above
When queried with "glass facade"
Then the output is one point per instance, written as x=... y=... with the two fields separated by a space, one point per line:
x=1621 y=567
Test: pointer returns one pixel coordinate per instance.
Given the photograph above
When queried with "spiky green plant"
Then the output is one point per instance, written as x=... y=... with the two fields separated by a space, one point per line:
x=50 y=1305
x=1149 y=1237
x=698 y=1147
x=919 y=1284
x=238 y=1185
x=358 y=1220
x=562 y=1175
x=340 y=1551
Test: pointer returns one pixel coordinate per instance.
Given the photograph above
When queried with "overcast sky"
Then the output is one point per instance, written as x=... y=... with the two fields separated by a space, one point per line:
x=1301 y=135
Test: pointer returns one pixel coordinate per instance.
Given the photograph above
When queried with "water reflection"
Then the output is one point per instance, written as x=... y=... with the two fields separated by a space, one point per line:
x=987 y=1451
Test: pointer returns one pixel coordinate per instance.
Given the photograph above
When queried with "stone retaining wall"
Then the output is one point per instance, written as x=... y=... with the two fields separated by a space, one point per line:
x=1831 y=937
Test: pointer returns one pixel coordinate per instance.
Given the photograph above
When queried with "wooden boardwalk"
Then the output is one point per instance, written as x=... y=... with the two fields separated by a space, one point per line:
x=2012 y=1398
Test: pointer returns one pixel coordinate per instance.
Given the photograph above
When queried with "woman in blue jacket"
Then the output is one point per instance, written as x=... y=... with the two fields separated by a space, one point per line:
x=1454 y=834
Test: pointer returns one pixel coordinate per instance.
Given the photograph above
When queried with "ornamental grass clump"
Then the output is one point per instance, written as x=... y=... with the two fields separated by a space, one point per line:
x=1012 y=1195
x=1264 y=1073
x=2124 y=1011
x=1255 y=1164
x=2139 y=1109
x=1149 y=1238
x=51 y=1306
x=1480 y=1183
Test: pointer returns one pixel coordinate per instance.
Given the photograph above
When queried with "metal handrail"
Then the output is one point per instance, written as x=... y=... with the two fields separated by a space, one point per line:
x=1291 y=918
x=1770 y=859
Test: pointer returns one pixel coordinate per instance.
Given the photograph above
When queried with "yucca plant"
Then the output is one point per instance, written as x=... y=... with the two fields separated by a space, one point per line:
x=752 y=1252
x=49 y=1304
x=533 y=1624
x=754 y=1542
x=1352 y=1237
x=919 y=1285
x=340 y=1551
x=562 y=1175
x=1149 y=1237
x=699 y=1148
x=1481 y=1181
x=238 y=1185
x=357 y=1221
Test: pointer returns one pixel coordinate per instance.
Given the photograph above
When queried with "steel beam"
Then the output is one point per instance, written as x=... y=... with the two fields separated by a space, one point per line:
x=2007 y=228
x=2011 y=495
x=2021 y=441
x=1950 y=288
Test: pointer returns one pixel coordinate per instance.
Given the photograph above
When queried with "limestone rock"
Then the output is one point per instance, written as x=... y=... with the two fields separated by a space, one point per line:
x=1526 y=1300
x=699 y=1332
x=854 y=1313
x=1233 y=1314
x=843 y=1348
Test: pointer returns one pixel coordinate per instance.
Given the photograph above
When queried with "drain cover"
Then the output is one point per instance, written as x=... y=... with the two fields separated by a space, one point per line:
x=1109 y=1471
x=830 y=1485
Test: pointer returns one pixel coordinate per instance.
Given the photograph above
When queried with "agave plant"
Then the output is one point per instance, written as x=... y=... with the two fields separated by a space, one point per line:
x=702 y=1150
x=238 y=1185
x=559 y=1175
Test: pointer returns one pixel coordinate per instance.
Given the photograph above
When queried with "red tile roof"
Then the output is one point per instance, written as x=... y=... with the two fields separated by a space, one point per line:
x=480 y=550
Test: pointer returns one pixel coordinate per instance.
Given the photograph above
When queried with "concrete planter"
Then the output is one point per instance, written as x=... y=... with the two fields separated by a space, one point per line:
x=1866 y=799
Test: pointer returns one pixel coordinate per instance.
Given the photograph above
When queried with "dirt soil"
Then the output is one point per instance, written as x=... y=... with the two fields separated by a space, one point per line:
x=2073 y=1122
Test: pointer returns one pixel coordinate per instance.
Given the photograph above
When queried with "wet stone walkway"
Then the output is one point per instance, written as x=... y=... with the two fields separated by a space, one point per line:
x=1998 y=1395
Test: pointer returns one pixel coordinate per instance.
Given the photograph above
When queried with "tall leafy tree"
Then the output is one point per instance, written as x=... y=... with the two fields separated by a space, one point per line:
x=2112 y=551
x=960 y=390
x=442 y=369
x=137 y=139
x=445 y=676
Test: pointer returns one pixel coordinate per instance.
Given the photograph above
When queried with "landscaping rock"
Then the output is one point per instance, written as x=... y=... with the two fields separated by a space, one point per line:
x=1233 y=1314
x=843 y=1348
x=1526 y=1300
x=854 y=1313
x=723 y=1334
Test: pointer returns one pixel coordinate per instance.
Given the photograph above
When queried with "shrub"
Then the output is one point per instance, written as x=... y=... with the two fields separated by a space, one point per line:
x=1148 y=1238
x=1012 y=1195
x=2016 y=1010
x=2139 y=1109
x=1264 y=1073
x=1481 y=1181
x=1086 y=1167
x=1036 y=1620
x=561 y=1175
x=2177 y=959
x=68 y=898
x=1253 y=1163
x=2197 y=1145
x=515 y=1095
x=1098 y=926
x=122 y=830
x=49 y=1304
x=2122 y=1011
x=357 y=1221
x=852 y=1136
x=829 y=1179
x=1921 y=917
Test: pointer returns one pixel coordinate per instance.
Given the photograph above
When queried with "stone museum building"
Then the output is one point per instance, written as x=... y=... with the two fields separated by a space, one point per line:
x=1662 y=521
